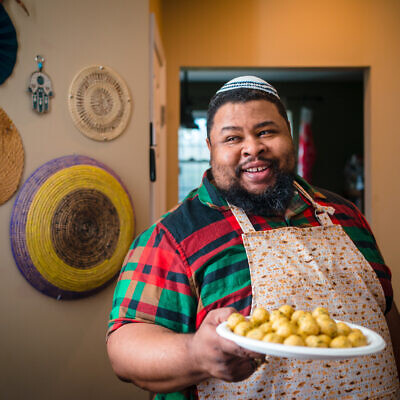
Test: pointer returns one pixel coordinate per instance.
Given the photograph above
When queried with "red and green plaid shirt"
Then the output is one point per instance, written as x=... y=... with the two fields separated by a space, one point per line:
x=193 y=259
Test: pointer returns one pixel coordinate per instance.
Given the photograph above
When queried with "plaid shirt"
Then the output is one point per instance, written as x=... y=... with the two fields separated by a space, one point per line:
x=193 y=260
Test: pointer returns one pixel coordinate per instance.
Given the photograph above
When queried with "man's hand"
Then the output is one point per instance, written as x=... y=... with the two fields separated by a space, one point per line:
x=159 y=360
x=220 y=357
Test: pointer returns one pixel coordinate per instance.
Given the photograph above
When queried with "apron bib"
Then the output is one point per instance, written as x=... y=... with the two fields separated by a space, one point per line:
x=306 y=268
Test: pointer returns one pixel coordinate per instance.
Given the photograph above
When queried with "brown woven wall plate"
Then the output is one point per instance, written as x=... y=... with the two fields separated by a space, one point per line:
x=99 y=103
x=11 y=157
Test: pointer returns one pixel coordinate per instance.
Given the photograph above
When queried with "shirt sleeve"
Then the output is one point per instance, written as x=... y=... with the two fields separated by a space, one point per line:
x=154 y=285
x=358 y=229
x=371 y=252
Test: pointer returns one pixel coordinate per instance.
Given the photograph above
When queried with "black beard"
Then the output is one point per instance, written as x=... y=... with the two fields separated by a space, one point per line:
x=272 y=202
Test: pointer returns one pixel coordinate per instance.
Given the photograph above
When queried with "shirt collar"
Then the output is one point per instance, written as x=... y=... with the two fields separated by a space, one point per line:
x=209 y=195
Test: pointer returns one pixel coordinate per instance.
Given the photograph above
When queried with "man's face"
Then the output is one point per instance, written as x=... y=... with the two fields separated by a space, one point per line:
x=246 y=140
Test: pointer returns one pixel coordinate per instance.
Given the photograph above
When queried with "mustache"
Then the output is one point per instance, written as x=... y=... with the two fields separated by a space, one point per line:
x=273 y=163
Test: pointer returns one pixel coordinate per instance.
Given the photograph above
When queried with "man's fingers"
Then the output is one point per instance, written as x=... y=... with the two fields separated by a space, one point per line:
x=216 y=317
x=220 y=357
x=229 y=347
x=237 y=369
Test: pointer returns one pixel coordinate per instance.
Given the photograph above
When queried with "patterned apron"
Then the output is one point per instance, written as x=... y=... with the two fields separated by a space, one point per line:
x=306 y=268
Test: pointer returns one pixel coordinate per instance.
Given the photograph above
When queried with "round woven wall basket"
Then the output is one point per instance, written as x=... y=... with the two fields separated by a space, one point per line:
x=11 y=157
x=99 y=103
x=71 y=226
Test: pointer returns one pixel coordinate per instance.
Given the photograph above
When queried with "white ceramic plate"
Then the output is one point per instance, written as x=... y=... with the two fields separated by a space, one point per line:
x=375 y=345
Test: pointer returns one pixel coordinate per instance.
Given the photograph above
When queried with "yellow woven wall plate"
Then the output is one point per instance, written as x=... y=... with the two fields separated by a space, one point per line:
x=99 y=103
x=71 y=226
x=11 y=157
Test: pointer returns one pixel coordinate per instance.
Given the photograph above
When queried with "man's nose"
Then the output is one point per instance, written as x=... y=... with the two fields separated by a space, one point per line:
x=253 y=147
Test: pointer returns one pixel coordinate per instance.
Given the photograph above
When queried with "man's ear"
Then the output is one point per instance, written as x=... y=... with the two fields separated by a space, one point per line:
x=208 y=144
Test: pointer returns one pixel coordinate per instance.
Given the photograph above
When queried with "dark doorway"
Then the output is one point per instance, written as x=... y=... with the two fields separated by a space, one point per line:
x=333 y=98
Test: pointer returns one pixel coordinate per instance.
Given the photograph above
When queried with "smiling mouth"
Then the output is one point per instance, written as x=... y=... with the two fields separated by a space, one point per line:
x=250 y=168
x=257 y=169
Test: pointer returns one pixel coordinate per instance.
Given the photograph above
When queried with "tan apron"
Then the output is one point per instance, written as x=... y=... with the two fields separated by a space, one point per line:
x=309 y=267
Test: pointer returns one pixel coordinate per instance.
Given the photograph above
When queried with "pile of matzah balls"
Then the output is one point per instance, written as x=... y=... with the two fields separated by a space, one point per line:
x=296 y=328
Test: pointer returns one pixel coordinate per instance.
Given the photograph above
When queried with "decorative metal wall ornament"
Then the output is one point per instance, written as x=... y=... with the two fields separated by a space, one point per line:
x=11 y=157
x=8 y=45
x=71 y=226
x=99 y=103
x=41 y=88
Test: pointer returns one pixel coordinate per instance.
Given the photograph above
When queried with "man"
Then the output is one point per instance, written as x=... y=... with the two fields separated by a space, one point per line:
x=252 y=234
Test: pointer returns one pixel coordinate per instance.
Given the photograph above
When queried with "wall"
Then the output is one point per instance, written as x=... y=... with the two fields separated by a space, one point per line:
x=306 y=33
x=155 y=7
x=50 y=349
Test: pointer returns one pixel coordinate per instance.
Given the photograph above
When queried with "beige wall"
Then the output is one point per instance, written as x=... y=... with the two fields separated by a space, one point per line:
x=50 y=349
x=306 y=33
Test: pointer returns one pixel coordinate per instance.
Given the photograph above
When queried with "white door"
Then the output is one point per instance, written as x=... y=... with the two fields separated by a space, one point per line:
x=158 y=129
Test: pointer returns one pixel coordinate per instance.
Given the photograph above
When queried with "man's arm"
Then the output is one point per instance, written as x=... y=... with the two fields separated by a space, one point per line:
x=157 y=359
x=393 y=321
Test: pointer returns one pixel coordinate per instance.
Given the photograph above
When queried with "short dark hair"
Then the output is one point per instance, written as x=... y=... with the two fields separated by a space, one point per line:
x=242 y=95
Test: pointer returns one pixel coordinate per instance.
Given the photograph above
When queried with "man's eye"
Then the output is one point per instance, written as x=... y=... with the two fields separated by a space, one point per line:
x=266 y=132
x=231 y=139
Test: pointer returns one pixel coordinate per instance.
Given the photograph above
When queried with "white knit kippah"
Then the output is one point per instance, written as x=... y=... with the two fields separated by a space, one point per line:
x=249 y=82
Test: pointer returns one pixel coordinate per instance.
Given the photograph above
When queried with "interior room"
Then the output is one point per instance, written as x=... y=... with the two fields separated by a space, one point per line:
x=320 y=93
x=161 y=58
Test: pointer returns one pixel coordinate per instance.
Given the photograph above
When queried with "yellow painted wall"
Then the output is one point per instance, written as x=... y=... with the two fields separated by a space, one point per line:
x=56 y=349
x=306 y=33
x=155 y=7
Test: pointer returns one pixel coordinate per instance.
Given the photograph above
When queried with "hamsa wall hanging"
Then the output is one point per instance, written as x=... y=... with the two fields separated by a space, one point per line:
x=40 y=88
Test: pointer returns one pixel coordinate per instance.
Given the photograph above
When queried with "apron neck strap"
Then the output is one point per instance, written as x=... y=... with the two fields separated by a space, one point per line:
x=321 y=212
x=242 y=219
